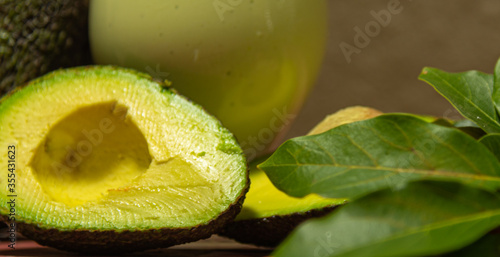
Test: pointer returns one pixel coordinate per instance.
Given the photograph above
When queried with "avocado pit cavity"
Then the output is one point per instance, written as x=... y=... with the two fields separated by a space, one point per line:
x=92 y=150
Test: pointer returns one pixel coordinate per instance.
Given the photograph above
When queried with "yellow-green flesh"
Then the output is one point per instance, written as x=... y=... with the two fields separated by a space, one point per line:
x=265 y=200
x=107 y=149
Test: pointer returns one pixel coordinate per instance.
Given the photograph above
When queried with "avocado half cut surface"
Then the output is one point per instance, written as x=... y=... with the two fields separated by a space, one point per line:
x=269 y=215
x=108 y=161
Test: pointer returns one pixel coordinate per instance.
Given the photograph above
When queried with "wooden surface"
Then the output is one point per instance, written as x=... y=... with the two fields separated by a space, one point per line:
x=212 y=247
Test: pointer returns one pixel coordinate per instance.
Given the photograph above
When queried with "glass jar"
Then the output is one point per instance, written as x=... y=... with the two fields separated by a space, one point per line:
x=250 y=63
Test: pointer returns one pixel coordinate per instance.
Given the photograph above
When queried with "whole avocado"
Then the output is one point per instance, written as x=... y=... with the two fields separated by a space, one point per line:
x=38 y=36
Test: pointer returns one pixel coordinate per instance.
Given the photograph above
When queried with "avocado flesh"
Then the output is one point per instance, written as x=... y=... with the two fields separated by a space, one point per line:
x=265 y=200
x=269 y=215
x=110 y=161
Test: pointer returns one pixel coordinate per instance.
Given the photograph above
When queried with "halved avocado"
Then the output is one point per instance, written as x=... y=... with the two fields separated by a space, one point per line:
x=269 y=215
x=108 y=161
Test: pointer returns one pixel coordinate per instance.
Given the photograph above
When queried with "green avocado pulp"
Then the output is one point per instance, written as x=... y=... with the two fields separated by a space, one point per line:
x=265 y=200
x=103 y=148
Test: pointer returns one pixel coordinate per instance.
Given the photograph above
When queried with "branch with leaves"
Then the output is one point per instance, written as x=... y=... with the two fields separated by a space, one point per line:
x=417 y=186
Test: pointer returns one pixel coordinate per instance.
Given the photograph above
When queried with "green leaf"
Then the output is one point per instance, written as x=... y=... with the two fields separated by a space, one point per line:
x=387 y=151
x=465 y=123
x=492 y=142
x=469 y=92
x=496 y=86
x=424 y=218
x=466 y=126
x=487 y=246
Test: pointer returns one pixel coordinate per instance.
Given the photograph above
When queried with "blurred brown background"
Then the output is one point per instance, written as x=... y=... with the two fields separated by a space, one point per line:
x=453 y=35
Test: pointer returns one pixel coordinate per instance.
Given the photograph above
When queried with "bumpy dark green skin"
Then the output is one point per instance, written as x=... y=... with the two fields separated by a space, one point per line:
x=270 y=231
x=112 y=242
x=38 y=36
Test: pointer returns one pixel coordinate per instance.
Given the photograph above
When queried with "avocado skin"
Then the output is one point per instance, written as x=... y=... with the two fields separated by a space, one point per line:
x=113 y=242
x=269 y=231
x=38 y=36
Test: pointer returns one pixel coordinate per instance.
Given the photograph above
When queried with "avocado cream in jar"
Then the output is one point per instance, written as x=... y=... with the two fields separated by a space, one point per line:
x=250 y=63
